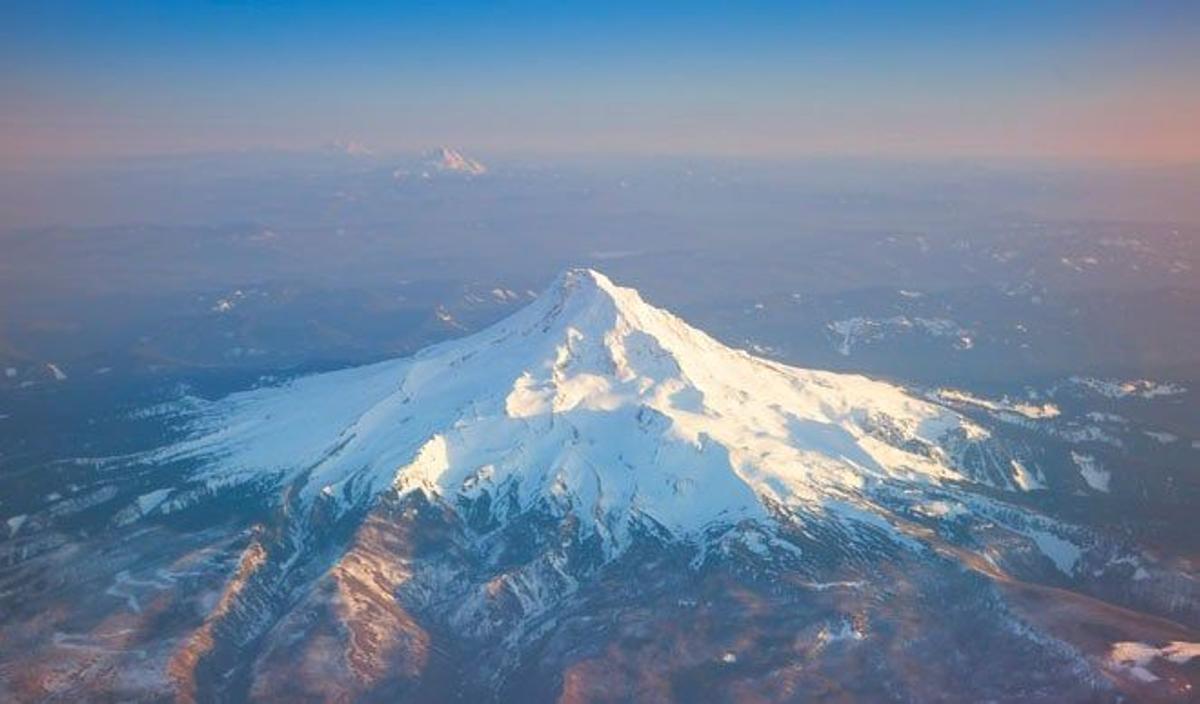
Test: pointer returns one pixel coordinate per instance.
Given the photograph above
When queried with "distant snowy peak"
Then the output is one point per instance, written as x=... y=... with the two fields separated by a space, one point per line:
x=445 y=159
x=348 y=147
x=593 y=403
x=442 y=161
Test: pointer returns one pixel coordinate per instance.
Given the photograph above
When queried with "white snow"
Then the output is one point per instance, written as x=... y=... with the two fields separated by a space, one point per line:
x=593 y=402
x=1117 y=388
x=505 y=294
x=148 y=502
x=824 y=586
x=1091 y=471
x=1180 y=652
x=444 y=315
x=228 y=303
x=1032 y=411
x=1134 y=657
x=1025 y=479
x=1102 y=417
x=1063 y=553
x=940 y=509
x=15 y=523
x=1161 y=437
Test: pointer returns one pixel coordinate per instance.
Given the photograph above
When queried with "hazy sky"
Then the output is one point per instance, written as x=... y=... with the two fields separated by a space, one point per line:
x=1026 y=79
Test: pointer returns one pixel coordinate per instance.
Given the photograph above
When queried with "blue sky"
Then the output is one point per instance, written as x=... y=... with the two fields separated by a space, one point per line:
x=938 y=79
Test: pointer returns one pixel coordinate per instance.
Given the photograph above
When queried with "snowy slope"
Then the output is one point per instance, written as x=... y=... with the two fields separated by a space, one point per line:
x=590 y=402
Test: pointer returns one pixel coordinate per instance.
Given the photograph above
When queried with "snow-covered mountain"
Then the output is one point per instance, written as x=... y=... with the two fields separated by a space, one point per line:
x=442 y=161
x=611 y=410
x=447 y=160
x=590 y=500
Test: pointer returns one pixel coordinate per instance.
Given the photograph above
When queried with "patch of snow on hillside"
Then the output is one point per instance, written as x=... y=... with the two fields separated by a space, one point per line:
x=853 y=332
x=940 y=509
x=1063 y=553
x=1116 y=388
x=148 y=502
x=1032 y=411
x=1161 y=437
x=228 y=303
x=1091 y=471
x=1134 y=657
x=15 y=523
x=1025 y=479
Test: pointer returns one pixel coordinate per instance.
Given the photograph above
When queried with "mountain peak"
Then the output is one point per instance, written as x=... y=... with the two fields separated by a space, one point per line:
x=584 y=283
x=586 y=305
x=579 y=276
x=451 y=160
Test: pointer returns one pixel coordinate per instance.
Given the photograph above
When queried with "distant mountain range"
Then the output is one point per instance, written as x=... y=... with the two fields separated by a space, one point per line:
x=442 y=160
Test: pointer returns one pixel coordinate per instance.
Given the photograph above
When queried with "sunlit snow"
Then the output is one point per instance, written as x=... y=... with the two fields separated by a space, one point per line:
x=597 y=403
